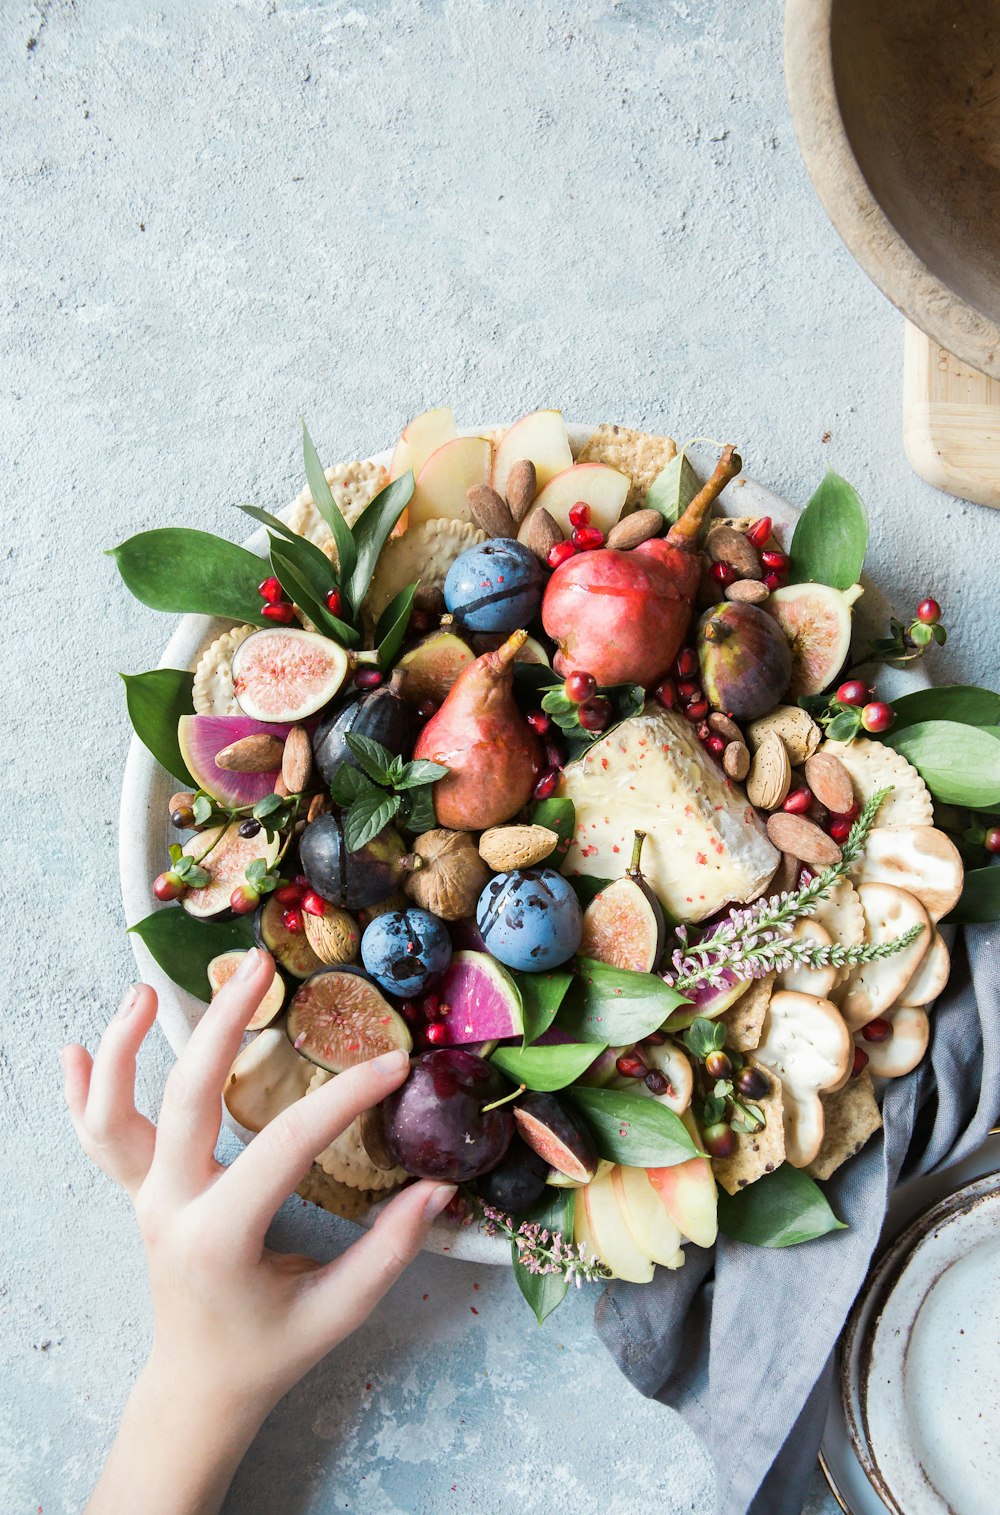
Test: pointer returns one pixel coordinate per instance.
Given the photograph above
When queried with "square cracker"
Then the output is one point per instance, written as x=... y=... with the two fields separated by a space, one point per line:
x=339 y=1199
x=757 y=1152
x=635 y=453
x=744 y=1020
x=852 y=1116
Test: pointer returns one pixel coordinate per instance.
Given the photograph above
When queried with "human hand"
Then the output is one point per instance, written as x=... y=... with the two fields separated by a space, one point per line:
x=235 y=1324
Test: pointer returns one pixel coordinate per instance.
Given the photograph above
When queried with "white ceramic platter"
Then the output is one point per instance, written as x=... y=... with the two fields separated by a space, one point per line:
x=145 y=832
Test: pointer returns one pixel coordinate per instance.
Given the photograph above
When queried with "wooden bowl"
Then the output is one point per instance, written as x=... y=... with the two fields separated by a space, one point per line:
x=896 y=105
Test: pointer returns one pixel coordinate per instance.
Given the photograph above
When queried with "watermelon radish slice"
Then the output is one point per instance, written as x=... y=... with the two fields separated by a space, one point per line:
x=483 y=1001
x=200 y=737
x=284 y=674
x=225 y=857
x=221 y=970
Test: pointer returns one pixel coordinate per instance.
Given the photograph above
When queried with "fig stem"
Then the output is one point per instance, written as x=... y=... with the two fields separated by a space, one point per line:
x=633 y=867
x=514 y=1094
x=684 y=533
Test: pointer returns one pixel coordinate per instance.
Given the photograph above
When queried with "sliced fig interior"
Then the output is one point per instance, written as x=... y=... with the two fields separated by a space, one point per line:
x=556 y=1136
x=221 y=970
x=623 y=925
x=225 y=857
x=290 y=949
x=339 y=1019
x=284 y=674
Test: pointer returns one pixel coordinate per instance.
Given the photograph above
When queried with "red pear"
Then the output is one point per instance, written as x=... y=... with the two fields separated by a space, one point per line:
x=623 y=616
x=492 y=755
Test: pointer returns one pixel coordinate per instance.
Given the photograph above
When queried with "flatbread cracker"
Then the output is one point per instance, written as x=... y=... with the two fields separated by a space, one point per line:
x=852 y=1116
x=213 y=691
x=351 y=1204
x=346 y=1160
x=744 y=1020
x=634 y=453
x=353 y=486
x=423 y=552
x=757 y=1152
x=872 y=765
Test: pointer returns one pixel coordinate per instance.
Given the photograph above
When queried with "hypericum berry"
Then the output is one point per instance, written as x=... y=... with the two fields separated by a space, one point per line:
x=291 y=919
x=367 y=678
x=686 y=664
x=631 y=1065
x=776 y=561
x=717 y=1065
x=579 y=514
x=798 y=801
x=271 y=591
x=435 y=1034
x=594 y=714
x=182 y=818
x=878 y=1030
x=283 y=613
x=333 y=601
x=724 y=574
x=665 y=694
x=588 y=538
x=715 y=744
x=655 y=1038
x=929 y=611
x=426 y=709
x=289 y=894
x=580 y=686
x=878 y=716
x=860 y=1062
x=313 y=903
x=991 y=841
x=249 y=828
x=854 y=692
x=167 y=886
x=538 y=721
x=697 y=711
x=243 y=899
x=751 y=1083
x=839 y=828
x=689 y=689
x=719 y=1140
x=546 y=786
x=656 y=1082
x=560 y=553
x=760 y=532
x=772 y=581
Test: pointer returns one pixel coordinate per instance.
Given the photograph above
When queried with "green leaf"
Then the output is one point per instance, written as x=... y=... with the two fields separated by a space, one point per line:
x=266 y=806
x=392 y=624
x=298 y=588
x=980 y=902
x=673 y=489
x=348 y=783
x=541 y=996
x=614 y=1005
x=780 y=1210
x=314 y=565
x=371 y=532
x=330 y=511
x=947 y=702
x=545 y=1291
x=184 y=946
x=418 y=807
x=419 y=772
x=844 y=727
x=632 y=1129
x=375 y=759
x=704 y=1036
x=558 y=815
x=546 y=1068
x=831 y=537
x=156 y=701
x=192 y=572
x=369 y=815
x=531 y=680
x=959 y=764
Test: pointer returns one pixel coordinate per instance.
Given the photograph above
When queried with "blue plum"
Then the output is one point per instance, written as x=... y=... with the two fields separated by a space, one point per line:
x=495 y=587
x=530 y=919
x=404 y=949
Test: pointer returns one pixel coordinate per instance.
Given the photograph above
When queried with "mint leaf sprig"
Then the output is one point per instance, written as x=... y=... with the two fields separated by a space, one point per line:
x=383 y=789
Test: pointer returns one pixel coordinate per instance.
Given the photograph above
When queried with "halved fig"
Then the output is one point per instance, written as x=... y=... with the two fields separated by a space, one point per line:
x=225 y=857
x=352 y=880
x=285 y=674
x=220 y=971
x=550 y=1130
x=200 y=737
x=290 y=949
x=267 y=1077
x=339 y=1019
x=433 y=665
x=623 y=925
x=817 y=622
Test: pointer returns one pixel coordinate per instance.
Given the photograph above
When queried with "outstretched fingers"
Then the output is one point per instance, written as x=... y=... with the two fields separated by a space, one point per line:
x=100 y=1093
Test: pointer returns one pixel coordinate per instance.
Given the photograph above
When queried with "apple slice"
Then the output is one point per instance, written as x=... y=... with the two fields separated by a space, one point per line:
x=652 y=1229
x=612 y=1237
x=540 y=437
x=688 y=1193
x=422 y=436
x=443 y=484
x=603 y=488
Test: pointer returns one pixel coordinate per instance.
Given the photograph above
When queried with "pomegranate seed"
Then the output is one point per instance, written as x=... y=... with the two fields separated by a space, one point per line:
x=665 y=694
x=772 y=581
x=595 y=714
x=538 y=721
x=760 y=532
x=839 y=828
x=435 y=1033
x=587 y=538
x=877 y=1030
x=929 y=611
x=991 y=841
x=860 y=1062
x=560 y=553
x=292 y=920
x=426 y=709
x=686 y=665
x=244 y=899
x=715 y=744
x=283 y=613
x=410 y=1013
x=723 y=573
x=167 y=886
x=703 y=731
x=854 y=692
x=271 y=591
x=579 y=687
x=433 y=1008
x=313 y=903
x=367 y=678
x=580 y=514
x=631 y=1065
x=289 y=894
x=798 y=802
x=878 y=716
x=655 y=1038
x=656 y=1082
x=553 y=754
x=546 y=785
x=333 y=602
x=778 y=561
x=697 y=711
x=689 y=689
x=853 y=813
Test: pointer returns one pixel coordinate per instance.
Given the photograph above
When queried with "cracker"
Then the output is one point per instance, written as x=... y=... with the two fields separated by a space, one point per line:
x=744 y=1020
x=851 y=1117
x=817 y=981
x=841 y=914
x=918 y=858
x=807 y=1046
x=634 y=453
x=424 y=552
x=871 y=988
x=213 y=692
x=900 y=1054
x=346 y=1161
x=353 y=486
x=872 y=765
x=757 y=1152
x=931 y=975
x=351 y=1204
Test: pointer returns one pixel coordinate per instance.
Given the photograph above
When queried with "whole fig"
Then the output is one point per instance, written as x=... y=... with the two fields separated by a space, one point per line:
x=746 y=662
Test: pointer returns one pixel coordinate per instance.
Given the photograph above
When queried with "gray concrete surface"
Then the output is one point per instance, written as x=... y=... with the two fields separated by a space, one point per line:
x=219 y=215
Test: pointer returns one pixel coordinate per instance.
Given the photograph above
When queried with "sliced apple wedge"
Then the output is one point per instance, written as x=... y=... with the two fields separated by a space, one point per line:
x=603 y=488
x=422 y=436
x=653 y=1231
x=443 y=484
x=542 y=438
x=612 y=1238
x=687 y=1192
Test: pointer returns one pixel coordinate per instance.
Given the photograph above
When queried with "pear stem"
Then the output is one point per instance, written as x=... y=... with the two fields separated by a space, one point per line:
x=515 y=1094
x=501 y=659
x=684 y=533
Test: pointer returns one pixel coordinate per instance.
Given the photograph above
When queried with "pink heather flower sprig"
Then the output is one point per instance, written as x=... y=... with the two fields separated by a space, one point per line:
x=542 y=1251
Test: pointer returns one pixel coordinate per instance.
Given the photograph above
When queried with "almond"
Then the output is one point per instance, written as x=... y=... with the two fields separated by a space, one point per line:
x=830 y=782
x=793 y=725
x=803 y=839
x=490 y=512
x=731 y=547
x=507 y=847
x=522 y=484
x=539 y=533
x=297 y=760
x=747 y=592
x=736 y=761
x=317 y=806
x=639 y=527
x=724 y=725
x=334 y=936
x=252 y=754
x=770 y=776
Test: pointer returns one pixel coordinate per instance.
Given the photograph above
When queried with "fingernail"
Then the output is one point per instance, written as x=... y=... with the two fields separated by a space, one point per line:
x=392 y=1062
x=248 y=967
x=129 y=1002
x=438 y=1199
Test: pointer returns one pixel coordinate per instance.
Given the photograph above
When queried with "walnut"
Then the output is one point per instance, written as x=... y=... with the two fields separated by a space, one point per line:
x=451 y=876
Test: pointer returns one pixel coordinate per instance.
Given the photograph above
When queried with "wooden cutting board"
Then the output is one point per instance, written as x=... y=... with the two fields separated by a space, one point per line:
x=951 y=421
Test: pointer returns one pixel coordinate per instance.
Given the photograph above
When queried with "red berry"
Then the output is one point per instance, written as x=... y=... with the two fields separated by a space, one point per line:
x=776 y=561
x=631 y=1065
x=655 y=1038
x=410 y=1013
x=271 y=591
x=595 y=714
x=432 y=1007
x=929 y=611
x=686 y=665
x=723 y=573
x=546 y=785
x=313 y=903
x=426 y=709
x=717 y=1065
x=167 y=886
x=243 y=899
x=860 y=1062
x=579 y=687
x=367 y=678
x=772 y=581
x=854 y=692
x=553 y=753
x=579 y=514
x=538 y=721
x=283 y=613
x=292 y=919
x=719 y=1140
x=288 y=894
x=878 y=716
x=991 y=841
x=715 y=744
x=435 y=1033
x=839 y=828
x=877 y=1030
x=798 y=802
x=587 y=538
x=760 y=532
x=665 y=694
x=333 y=602
x=656 y=1082
x=697 y=711
x=560 y=553
x=689 y=689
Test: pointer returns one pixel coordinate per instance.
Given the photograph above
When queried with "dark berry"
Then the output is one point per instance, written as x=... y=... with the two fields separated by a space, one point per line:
x=878 y=716
x=719 y=1140
x=426 y=709
x=249 y=827
x=879 y=1030
x=854 y=692
x=656 y=1082
x=595 y=714
x=717 y=1065
x=929 y=611
x=752 y=1084
x=182 y=818
x=367 y=678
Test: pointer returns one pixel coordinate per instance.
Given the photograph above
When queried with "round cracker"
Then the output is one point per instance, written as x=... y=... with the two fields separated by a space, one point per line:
x=423 y=552
x=931 y=975
x=807 y=1046
x=921 y=859
x=818 y=981
x=351 y=1204
x=872 y=765
x=871 y=988
x=346 y=1160
x=213 y=692
x=353 y=486
x=841 y=913
x=904 y=1049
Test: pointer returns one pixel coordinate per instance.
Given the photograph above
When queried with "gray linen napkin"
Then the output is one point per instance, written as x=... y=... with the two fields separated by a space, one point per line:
x=740 y=1340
